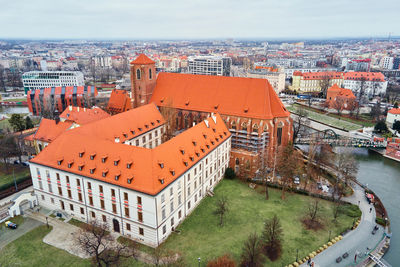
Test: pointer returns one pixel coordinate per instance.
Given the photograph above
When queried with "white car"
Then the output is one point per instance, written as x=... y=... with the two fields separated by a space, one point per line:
x=296 y=180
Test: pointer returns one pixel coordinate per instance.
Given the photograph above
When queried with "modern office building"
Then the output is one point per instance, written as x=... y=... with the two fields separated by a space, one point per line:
x=33 y=80
x=210 y=65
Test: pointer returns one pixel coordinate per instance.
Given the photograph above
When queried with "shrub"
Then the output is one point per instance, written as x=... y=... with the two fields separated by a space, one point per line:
x=380 y=221
x=229 y=173
x=223 y=261
x=351 y=210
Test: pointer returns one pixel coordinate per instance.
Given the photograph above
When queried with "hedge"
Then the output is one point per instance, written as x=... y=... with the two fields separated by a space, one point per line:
x=11 y=184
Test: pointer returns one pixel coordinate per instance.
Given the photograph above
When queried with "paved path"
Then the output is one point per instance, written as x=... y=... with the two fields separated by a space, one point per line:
x=8 y=235
x=359 y=240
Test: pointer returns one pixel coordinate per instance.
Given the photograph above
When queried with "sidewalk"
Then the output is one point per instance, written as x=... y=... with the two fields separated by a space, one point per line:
x=359 y=241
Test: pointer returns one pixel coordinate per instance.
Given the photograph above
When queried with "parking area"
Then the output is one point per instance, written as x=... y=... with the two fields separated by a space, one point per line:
x=24 y=225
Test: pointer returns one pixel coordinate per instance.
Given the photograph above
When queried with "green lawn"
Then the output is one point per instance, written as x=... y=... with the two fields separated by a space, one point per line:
x=4 y=124
x=329 y=120
x=29 y=250
x=7 y=178
x=202 y=237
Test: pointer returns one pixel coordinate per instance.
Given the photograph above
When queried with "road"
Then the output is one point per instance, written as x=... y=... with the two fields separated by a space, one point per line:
x=8 y=235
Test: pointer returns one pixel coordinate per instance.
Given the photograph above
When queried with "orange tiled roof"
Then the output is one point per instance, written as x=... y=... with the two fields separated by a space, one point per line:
x=150 y=170
x=394 y=111
x=341 y=91
x=322 y=75
x=244 y=97
x=119 y=101
x=271 y=69
x=369 y=76
x=126 y=125
x=49 y=130
x=142 y=59
x=82 y=116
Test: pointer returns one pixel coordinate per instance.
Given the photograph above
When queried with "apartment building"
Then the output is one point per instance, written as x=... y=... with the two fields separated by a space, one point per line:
x=210 y=65
x=141 y=193
x=276 y=77
x=33 y=80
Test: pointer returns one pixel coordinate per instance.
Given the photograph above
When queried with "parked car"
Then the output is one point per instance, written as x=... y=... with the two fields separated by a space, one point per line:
x=10 y=225
x=296 y=180
x=16 y=162
x=25 y=163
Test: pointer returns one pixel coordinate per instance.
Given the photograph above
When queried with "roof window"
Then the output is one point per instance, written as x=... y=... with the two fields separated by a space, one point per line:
x=133 y=132
x=104 y=158
x=129 y=164
x=116 y=161
x=80 y=166
x=172 y=171
x=117 y=176
x=161 y=165
x=92 y=170
x=81 y=153
x=92 y=156
x=182 y=151
x=185 y=163
x=59 y=161
x=104 y=173
x=70 y=163
x=161 y=181
x=129 y=180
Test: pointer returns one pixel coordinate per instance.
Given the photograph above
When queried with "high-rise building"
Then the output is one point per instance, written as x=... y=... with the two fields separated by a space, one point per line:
x=33 y=80
x=210 y=65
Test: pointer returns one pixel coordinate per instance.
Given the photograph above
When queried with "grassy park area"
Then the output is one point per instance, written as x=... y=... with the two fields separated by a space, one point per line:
x=7 y=177
x=342 y=122
x=201 y=236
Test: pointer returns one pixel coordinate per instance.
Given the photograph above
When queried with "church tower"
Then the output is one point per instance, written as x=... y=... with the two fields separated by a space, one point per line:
x=143 y=80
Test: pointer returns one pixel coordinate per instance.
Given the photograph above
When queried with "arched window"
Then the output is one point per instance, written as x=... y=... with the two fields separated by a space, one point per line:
x=237 y=161
x=150 y=74
x=244 y=126
x=138 y=74
x=255 y=128
x=186 y=121
x=233 y=125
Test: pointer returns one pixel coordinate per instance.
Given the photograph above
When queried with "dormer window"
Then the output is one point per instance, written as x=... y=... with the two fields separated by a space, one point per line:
x=92 y=170
x=186 y=163
x=208 y=146
x=133 y=132
x=59 y=161
x=103 y=159
x=214 y=130
x=205 y=136
x=198 y=154
x=216 y=139
x=161 y=165
x=146 y=125
x=172 y=172
x=203 y=150
x=191 y=158
x=80 y=167
x=158 y=121
x=182 y=151
x=92 y=156
x=104 y=173
x=129 y=164
x=140 y=129
x=116 y=161
x=221 y=136
x=117 y=176
x=70 y=163
x=81 y=153
x=152 y=123
x=194 y=142
x=129 y=180
x=161 y=181
x=125 y=135
x=212 y=142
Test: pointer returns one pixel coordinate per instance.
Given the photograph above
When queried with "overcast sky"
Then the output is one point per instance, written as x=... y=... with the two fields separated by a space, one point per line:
x=184 y=19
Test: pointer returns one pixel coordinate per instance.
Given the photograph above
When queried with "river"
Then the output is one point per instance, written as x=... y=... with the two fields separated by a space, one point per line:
x=14 y=109
x=383 y=176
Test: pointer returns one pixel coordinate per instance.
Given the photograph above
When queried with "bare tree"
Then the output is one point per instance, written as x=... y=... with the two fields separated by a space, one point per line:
x=252 y=255
x=310 y=167
x=338 y=104
x=347 y=166
x=8 y=148
x=352 y=106
x=300 y=122
x=288 y=164
x=360 y=94
x=376 y=111
x=221 y=209
x=272 y=238
x=96 y=241
x=313 y=210
x=324 y=84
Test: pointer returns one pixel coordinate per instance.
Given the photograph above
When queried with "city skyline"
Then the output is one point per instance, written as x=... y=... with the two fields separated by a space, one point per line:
x=177 y=19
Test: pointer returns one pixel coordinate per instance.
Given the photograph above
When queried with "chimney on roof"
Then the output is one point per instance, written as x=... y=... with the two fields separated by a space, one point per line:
x=56 y=116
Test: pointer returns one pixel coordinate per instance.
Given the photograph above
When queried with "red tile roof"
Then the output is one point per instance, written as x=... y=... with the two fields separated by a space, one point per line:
x=49 y=130
x=126 y=125
x=83 y=116
x=151 y=169
x=394 y=111
x=142 y=59
x=119 y=101
x=322 y=75
x=341 y=91
x=244 y=97
x=368 y=76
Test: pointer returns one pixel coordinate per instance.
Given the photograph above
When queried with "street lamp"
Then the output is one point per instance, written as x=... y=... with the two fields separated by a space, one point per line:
x=297 y=255
x=47 y=222
x=329 y=235
x=199 y=259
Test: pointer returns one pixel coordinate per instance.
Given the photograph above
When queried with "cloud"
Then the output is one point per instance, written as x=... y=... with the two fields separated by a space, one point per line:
x=161 y=19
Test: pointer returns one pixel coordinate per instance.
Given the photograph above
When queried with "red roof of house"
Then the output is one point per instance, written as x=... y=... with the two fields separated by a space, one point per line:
x=119 y=101
x=368 y=76
x=341 y=91
x=83 y=116
x=322 y=75
x=151 y=170
x=142 y=59
x=49 y=130
x=126 y=125
x=394 y=111
x=236 y=96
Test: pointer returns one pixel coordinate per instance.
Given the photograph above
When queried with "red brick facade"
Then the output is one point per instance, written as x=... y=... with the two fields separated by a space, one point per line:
x=143 y=80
